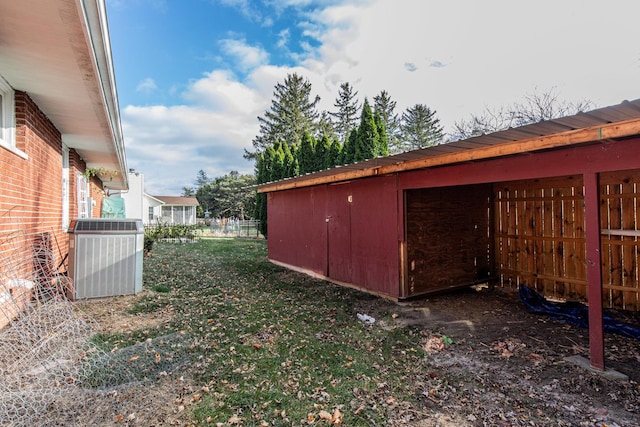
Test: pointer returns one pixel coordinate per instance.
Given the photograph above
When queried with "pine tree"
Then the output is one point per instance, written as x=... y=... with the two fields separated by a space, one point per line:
x=349 y=148
x=385 y=107
x=420 y=128
x=201 y=179
x=325 y=126
x=263 y=166
x=322 y=150
x=346 y=116
x=368 y=139
x=278 y=170
x=334 y=154
x=293 y=112
x=383 y=144
x=290 y=167
x=306 y=154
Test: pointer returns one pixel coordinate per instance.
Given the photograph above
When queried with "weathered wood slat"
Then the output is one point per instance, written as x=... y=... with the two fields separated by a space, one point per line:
x=626 y=233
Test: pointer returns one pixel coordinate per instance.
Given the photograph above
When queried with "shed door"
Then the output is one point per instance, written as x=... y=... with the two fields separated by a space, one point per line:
x=339 y=233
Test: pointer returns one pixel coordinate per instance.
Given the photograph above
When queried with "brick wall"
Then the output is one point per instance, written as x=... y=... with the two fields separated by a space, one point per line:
x=31 y=192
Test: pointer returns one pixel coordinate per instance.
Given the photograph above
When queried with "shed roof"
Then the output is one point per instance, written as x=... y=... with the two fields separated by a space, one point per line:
x=613 y=122
x=178 y=200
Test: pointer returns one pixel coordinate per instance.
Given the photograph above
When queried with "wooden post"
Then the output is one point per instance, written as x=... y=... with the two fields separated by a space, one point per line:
x=594 y=269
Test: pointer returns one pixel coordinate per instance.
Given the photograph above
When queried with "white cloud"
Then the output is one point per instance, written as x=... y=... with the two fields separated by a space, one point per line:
x=220 y=91
x=283 y=38
x=147 y=85
x=178 y=141
x=464 y=56
x=495 y=51
x=246 y=56
x=245 y=7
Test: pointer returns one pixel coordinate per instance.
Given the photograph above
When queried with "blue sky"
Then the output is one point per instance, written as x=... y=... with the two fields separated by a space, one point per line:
x=193 y=75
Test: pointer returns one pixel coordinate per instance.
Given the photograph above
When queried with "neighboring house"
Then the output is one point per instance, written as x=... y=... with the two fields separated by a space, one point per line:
x=552 y=205
x=154 y=209
x=176 y=210
x=59 y=127
x=137 y=203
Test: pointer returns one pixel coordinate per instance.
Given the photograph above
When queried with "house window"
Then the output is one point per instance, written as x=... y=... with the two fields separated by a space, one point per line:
x=166 y=215
x=7 y=118
x=178 y=215
x=84 y=201
x=150 y=213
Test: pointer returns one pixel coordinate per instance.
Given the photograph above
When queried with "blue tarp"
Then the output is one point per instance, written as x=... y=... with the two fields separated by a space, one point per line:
x=574 y=313
x=113 y=207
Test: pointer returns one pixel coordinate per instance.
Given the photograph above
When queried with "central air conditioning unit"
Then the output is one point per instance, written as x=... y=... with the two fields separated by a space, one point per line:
x=105 y=257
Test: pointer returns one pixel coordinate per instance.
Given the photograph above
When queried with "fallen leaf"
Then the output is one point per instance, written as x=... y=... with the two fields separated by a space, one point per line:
x=324 y=415
x=134 y=358
x=257 y=346
x=434 y=344
x=119 y=418
x=336 y=418
x=234 y=420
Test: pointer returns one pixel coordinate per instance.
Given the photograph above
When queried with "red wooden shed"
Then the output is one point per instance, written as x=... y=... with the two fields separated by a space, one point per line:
x=553 y=205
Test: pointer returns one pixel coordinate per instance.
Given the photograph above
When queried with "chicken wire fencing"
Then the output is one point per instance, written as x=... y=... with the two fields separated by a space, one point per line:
x=230 y=227
x=54 y=370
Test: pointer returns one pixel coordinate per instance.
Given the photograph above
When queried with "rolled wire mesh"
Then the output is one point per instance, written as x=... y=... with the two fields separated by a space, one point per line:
x=53 y=372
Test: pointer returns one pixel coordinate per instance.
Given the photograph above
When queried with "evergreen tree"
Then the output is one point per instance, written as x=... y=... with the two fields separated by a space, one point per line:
x=385 y=107
x=306 y=154
x=267 y=163
x=201 y=179
x=346 y=116
x=325 y=126
x=292 y=112
x=290 y=166
x=349 y=148
x=420 y=128
x=332 y=157
x=383 y=144
x=278 y=170
x=263 y=166
x=322 y=150
x=368 y=140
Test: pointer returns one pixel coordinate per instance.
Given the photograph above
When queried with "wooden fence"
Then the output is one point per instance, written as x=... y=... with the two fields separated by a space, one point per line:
x=540 y=238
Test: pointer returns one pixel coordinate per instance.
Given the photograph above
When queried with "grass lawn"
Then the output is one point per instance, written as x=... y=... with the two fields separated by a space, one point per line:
x=273 y=347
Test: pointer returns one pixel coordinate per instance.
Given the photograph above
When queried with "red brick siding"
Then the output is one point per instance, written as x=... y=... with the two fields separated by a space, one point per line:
x=31 y=189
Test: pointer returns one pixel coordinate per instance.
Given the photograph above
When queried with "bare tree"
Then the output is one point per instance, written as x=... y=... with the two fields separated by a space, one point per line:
x=533 y=108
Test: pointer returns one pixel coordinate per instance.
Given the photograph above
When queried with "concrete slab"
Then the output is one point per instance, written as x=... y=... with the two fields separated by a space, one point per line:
x=583 y=362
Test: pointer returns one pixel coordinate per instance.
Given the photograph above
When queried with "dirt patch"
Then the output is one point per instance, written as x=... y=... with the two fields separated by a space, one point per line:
x=496 y=364
x=114 y=314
